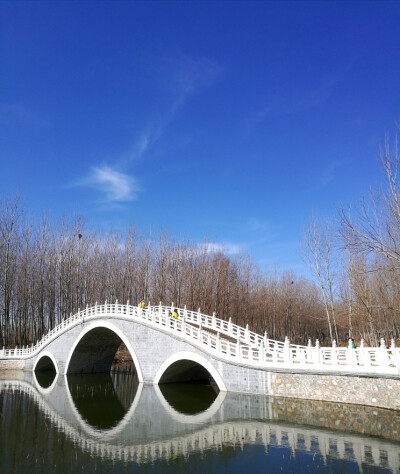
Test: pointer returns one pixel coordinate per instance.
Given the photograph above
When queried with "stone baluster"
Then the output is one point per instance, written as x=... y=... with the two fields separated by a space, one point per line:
x=247 y=334
x=198 y=317
x=213 y=324
x=382 y=353
x=275 y=352
x=392 y=355
x=218 y=343
x=183 y=326
x=262 y=352
x=350 y=355
x=238 y=350
x=230 y=327
x=317 y=353
x=392 y=345
x=286 y=351
x=334 y=358
x=363 y=358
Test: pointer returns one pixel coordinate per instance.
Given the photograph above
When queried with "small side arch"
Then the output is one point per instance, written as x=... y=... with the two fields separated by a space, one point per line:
x=118 y=332
x=184 y=355
x=42 y=362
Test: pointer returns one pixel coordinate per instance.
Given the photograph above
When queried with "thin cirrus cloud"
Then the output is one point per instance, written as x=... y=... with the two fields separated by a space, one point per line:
x=18 y=114
x=187 y=75
x=113 y=185
x=328 y=174
x=182 y=77
x=259 y=226
x=225 y=248
x=179 y=78
x=315 y=97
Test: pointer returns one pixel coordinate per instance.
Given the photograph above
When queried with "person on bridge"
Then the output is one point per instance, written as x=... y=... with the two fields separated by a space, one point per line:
x=143 y=304
x=351 y=343
x=175 y=314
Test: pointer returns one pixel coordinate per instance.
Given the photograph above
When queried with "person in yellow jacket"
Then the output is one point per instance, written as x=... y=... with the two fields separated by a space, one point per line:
x=175 y=314
x=143 y=304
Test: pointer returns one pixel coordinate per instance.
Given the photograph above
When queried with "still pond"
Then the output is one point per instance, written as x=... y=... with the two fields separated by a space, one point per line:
x=111 y=423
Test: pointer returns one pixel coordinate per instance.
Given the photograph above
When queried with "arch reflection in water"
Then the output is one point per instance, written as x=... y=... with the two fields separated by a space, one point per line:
x=189 y=398
x=102 y=400
x=45 y=378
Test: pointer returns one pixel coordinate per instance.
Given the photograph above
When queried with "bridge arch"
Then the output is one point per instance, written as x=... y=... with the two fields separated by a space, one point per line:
x=194 y=359
x=95 y=347
x=46 y=361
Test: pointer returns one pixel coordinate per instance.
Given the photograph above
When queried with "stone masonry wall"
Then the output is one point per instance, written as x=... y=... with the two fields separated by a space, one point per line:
x=12 y=365
x=335 y=388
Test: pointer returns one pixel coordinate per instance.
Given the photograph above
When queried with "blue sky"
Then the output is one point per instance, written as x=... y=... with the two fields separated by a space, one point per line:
x=231 y=121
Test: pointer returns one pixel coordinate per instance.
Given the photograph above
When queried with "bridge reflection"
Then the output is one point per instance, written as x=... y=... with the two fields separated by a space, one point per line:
x=102 y=400
x=189 y=398
x=145 y=423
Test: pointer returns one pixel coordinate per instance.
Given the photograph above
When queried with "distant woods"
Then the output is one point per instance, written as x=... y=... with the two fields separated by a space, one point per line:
x=48 y=271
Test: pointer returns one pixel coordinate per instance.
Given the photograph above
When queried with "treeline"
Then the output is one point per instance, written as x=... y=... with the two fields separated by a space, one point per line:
x=49 y=271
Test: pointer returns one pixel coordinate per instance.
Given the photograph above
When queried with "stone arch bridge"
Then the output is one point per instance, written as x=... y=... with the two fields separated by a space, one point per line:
x=198 y=346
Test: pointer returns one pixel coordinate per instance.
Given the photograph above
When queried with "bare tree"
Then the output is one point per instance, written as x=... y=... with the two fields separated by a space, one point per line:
x=10 y=221
x=376 y=227
x=317 y=253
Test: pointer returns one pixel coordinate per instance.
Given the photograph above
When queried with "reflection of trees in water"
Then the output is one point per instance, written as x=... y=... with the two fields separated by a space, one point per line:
x=102 y=399
x=125 y=386
x=189 y=398
x=372 y=421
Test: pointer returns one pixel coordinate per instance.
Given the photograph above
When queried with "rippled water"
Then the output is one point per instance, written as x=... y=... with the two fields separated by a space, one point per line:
x=111 y=423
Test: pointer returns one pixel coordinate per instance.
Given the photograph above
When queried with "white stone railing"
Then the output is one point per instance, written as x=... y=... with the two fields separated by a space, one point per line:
x=232 y=343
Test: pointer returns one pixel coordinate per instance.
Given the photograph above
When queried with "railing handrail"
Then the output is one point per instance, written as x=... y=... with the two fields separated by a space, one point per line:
x=211 y=334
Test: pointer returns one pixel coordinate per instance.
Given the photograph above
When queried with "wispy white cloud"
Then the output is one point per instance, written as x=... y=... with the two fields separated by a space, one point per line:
x=257 y=117
x=315 y=97
x=225 y=248
x=187 y=75
x=258 y=225
x=179 y=77
x=310 y=99
x=328 y=173
x=20 y=114
x=113 y=185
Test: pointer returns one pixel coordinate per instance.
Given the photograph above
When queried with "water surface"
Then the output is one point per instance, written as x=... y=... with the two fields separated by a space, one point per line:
x=111 y=423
